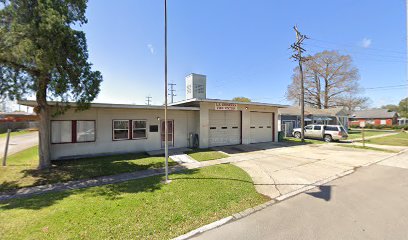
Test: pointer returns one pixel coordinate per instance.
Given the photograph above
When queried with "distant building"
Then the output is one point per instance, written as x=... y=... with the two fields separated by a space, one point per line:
x=17 y=120
x=289 y=118
x=374 y=116
x=403 y=121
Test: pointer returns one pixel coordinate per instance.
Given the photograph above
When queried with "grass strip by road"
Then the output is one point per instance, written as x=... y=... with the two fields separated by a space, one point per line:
x=356 y=134
x=400 y=139
x=366 y=148
x=206 y=154
x=21 y=170
x=138 y=209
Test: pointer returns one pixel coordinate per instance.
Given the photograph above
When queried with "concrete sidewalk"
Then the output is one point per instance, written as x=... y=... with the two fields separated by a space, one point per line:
x=386 y=147
x=375 y=136
x=84 y=183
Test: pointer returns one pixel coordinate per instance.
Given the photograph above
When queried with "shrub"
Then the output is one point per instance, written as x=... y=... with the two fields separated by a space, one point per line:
x=401 y=127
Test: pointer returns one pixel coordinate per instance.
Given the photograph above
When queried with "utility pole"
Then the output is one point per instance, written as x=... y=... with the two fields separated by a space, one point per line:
x=172 y=90
x=148 y=100
x=166 y=143
x=297 y=56
x=406 y=25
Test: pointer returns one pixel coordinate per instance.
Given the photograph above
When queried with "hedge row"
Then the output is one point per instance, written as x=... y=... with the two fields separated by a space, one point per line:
x=371 y=126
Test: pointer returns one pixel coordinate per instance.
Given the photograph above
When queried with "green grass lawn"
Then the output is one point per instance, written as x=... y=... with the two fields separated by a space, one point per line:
x=3 y=135
x=138 y=209
x=21 y=168
x=298 y=141
x=355 y=134
x=206 y=154
x=400 y=139
x=367 y=148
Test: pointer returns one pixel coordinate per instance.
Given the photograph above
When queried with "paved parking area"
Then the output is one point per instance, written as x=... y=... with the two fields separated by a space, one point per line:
x=277 y=169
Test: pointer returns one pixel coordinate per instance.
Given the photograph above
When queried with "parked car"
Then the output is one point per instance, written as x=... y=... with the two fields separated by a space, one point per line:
x=327 y=133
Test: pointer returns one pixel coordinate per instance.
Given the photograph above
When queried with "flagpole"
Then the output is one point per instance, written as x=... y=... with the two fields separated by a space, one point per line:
x=166 y=144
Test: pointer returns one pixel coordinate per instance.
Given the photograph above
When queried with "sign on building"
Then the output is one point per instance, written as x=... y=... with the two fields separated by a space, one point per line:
x=226 y=106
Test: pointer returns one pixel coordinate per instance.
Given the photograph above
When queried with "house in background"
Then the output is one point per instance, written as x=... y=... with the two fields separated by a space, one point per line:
x=289 y=118
x=374 y=116
x=194 y=122
x=402 y=121
x=17 y=120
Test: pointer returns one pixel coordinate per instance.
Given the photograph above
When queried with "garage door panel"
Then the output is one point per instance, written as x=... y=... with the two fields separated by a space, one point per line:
x=225 y=128
x=261 y=127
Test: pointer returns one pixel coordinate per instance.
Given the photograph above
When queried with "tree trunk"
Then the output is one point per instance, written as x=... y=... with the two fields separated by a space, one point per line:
x=318 y=91
x=326 y=93
x=44 y=137
x=44 y=130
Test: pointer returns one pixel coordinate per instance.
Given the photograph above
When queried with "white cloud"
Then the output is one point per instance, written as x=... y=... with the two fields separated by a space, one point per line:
x=365 y=43
x=151 y=48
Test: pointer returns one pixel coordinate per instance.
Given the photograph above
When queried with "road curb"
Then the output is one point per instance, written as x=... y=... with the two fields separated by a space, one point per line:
x=249 y=211
x=388 y=157
x=204 y=228
x=252 y=210
x=314 y=185
x=226 y=220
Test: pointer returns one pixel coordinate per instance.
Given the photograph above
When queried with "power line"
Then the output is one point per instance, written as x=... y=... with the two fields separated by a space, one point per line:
x=401 y=58
x=384 y=87
x=297 y=56
x=353 y=46
x=172 y=90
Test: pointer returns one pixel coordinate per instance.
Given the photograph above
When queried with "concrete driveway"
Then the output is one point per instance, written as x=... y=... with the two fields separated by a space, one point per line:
x=19 y=143
x=278 y=169
x=370 y=204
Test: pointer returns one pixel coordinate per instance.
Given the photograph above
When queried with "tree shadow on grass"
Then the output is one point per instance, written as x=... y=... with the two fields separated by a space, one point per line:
x=6 y=185
x=86 y=168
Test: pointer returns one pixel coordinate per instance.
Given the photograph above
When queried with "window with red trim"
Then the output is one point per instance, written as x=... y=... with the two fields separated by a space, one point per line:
x=72 y=131
x=120 y=129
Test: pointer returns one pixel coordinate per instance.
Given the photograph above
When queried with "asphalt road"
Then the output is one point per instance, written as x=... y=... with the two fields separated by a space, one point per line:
x=371 y=203
x=19 y=143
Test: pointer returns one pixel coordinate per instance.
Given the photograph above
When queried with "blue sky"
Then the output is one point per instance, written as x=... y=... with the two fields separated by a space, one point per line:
x=241 y=45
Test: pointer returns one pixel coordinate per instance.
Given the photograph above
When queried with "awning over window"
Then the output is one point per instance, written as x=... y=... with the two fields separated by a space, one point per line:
x=322 y=119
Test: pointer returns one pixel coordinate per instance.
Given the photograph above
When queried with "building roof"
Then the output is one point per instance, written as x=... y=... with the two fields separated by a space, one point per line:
x=295 y=111
x=374 y=113
x=32 y=103
x=17 y=116
x=196 y=101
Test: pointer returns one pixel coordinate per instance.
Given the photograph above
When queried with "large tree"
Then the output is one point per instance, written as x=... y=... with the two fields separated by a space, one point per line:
x=403 y=107
x=391 y=107
x=330 y=80
x=241 y=99
x=43 y=53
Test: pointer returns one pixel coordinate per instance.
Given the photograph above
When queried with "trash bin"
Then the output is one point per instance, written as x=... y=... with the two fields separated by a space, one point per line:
x=280 y=136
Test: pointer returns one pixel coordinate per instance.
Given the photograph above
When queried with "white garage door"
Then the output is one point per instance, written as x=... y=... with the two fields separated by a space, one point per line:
x=261 y=127
x=225 y=128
